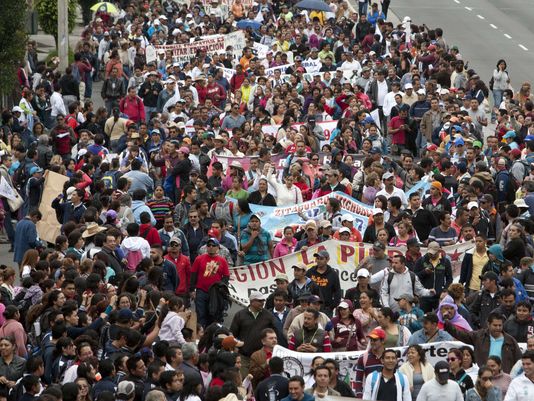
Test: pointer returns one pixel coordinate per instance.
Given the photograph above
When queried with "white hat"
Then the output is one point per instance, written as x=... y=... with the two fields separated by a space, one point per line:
x=421 y=91
x=161 y=51
x=387 y=175
x=362 y=273
x=377 y=210
x=70 y=190
x=521 y=203
x=473 y=204
x=163 y=17
x=17 y=109
x=347 y=217
x=344 y=230
x=156 y=22
x=343 y=305
x=408 y=86
x=256 y=295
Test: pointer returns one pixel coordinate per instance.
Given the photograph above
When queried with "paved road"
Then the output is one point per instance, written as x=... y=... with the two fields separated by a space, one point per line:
x=484 y=30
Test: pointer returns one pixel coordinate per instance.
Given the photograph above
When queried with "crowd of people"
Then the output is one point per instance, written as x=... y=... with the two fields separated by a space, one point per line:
x=131 y=302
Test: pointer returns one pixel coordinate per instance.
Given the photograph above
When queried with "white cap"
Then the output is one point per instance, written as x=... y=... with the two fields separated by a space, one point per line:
x=343 y=305
x=156 y=22
x=471 y=205
x=347 y=217
x=408 y=86
x=421 y=91
x=344 y=230
x=377 y=210
x=17 y=109
x=388 y=175
x=362 y=273
x=256 y=295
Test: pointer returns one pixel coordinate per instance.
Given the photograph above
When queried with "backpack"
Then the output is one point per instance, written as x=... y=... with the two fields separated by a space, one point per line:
x=76 y=72
x=526 y=172
x=20 y=176
x=133 y=259
x=374 y=379
x=412 y=277
x=513 y=186
x=110 y=180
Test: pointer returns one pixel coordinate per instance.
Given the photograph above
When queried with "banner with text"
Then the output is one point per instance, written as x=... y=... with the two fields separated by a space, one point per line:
x=49 y=228
x=184 y=52
x=279 y=217
x=299 y=363
x=344 y=257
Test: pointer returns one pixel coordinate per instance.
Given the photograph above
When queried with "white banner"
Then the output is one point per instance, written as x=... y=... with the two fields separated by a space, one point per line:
x=150 y=54
x=261 y=50
x=299 y=363
x=327 y=126
x=282 y=68
x=344 y=257
x=6 y=190
x=183 y=52
x=312 y=65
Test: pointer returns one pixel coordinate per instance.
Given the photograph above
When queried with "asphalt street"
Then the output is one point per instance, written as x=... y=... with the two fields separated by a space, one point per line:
x=484 y=31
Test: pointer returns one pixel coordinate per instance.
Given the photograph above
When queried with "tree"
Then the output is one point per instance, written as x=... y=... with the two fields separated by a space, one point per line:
x=47 y=10
x=13 y=39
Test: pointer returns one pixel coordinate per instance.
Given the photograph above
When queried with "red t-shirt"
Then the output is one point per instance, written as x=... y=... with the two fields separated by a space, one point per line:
x=210 y=270
x=399 y=137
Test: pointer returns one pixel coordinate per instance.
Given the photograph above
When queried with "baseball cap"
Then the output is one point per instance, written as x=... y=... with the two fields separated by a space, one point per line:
x=322 y=254
x=406 y=296
x=214 y=233
x=408 y=86
x=421 y=92
x=35 y=169
x=433 y=248
x=125 y=314
x=184 y=150
x=459 y=142
x=516 y=153
x=375 y=151
x=281 y=277
x=472 y=205
x=377 y=210
x=310 y=224
x=256 y=295
x=325 y=224
x=314 y=299
x=377 y=333
x=300 y=266
x=379 y=245
x=509 y=134
x=344 y=230
x=441 y=369
x=347 y=217
x=477 y=144
x=175 y=240
x=363 y=273
x=218 y=191
x=304 y=296
x=213 y=241
x=343 y=305
x=125 y=389
x=387 y=175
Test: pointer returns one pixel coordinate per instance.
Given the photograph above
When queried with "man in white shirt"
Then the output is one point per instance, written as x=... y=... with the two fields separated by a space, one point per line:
x=350 y=66
x=390 y=189
x=522 y=387
x=389 y=99
x=56 y=102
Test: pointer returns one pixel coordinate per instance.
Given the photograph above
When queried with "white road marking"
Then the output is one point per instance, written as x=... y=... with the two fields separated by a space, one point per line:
x=480 y=16
x=523 y=47
x=508 y=36
x=456 y=1
x=493 y=26
x=468 y=8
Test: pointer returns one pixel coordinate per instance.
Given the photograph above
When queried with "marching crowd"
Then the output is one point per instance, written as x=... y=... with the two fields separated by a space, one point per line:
x=131 y=300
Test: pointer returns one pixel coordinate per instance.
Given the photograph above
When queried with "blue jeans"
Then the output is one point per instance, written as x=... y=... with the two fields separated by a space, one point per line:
x=88 y=86
x=362 y=8
x=148 y=112
x=497 y=99
x=202 y=300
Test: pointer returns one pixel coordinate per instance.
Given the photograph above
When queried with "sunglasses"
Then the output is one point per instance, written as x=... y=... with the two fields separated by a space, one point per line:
x=486 y=379
x=452 y=359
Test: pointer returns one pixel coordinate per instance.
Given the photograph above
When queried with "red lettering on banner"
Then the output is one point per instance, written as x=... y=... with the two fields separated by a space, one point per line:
x=275 y=268
x=345 y=252
x=263 y=272
x=238 y=275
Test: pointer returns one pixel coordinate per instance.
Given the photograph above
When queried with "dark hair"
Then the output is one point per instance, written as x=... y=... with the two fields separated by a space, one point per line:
x=388 y=312
x=322 y=367
x=297 y=379
x=496 y=359
x=495 y=316
x=276 y=365
x=420 y=350
x=390 y=351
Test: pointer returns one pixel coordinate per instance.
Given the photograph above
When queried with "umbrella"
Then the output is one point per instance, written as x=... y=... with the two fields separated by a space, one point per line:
x=318 y=5
x=105 y=7
x=248 y=23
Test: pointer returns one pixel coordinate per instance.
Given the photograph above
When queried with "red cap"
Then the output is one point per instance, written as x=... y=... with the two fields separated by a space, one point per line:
x=377 y=333
x=516 y=153
x=214 y=233
x=432 y=48
x=432 y=148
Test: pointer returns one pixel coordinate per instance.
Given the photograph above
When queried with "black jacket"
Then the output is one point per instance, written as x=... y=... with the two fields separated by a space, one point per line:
x=423 y=221
x=520 y=330
x=248 y=329
x=482 y=306
x=439 y=278
x=329 y=286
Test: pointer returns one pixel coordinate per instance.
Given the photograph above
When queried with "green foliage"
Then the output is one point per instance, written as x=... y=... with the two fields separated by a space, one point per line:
x=47 y=10
x=53 y=53
x=13 y=39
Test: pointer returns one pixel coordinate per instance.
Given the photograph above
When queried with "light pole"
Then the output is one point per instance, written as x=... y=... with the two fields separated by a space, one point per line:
x=63 y=33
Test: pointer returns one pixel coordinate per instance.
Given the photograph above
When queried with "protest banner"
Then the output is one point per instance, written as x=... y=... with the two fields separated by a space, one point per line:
x=49 y=228
x=6 y=190
x=312 y=65
x=344 y=257
x=299 y=363
x=261 y=50
x=183 y=52
x=150 y=54
x=327 y=126
x=282 y=68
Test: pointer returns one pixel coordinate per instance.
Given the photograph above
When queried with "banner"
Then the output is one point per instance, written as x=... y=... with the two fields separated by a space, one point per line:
x=279 y=217
x=327 y=126
x=49 y=228
x=7 y=190
x=261 y=50
x=344 y=257
x=282 y=68
x=299 y=363
x=312 y=65
x=183 y=52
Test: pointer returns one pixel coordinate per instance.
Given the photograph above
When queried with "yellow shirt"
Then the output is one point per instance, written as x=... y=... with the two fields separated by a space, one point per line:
x=478 y=263
x=318 y=14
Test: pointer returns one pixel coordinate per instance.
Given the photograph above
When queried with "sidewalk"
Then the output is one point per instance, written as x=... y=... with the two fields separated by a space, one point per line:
x=46 y=44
